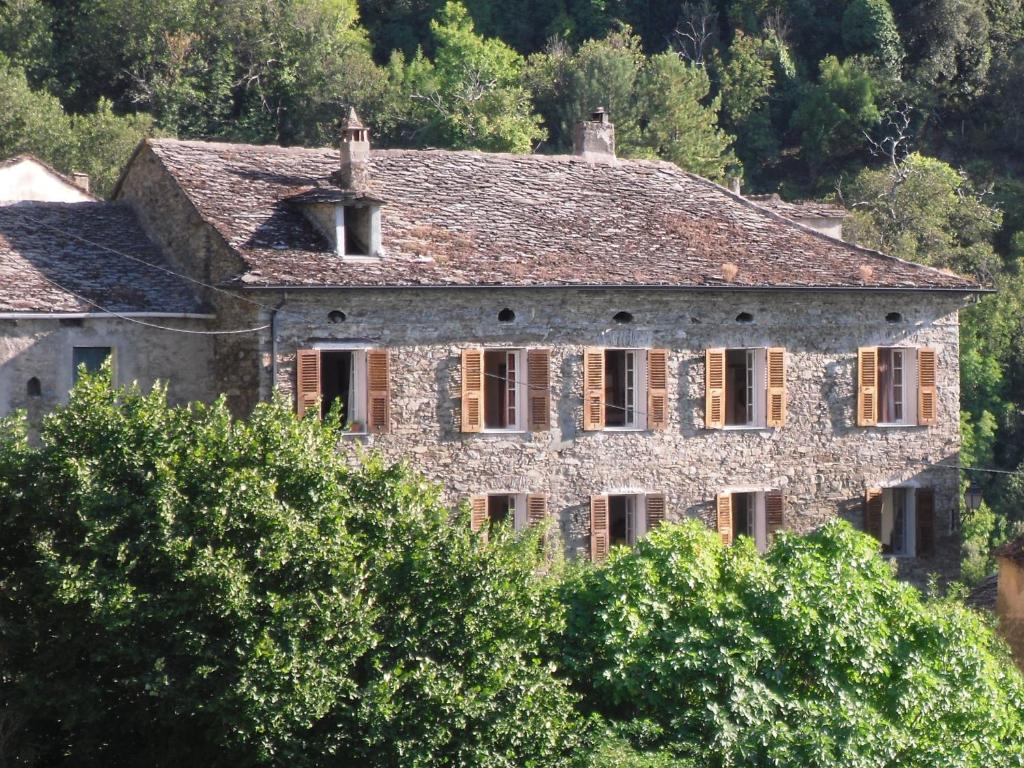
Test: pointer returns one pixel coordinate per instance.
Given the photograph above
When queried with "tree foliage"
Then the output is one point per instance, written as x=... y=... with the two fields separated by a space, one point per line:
x=813 y=655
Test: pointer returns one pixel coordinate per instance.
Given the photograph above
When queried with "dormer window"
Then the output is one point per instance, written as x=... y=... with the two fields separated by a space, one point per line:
x=357 y=229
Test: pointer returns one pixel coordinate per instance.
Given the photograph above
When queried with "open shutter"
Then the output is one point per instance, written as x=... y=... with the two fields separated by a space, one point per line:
x=873 y=512
x=307 y=380
x=776 y=365
x=723 y=517
x=657 y=388
x=538 y=372
x=867 y=386
x=925 y=513
x=926 y=399
x=593 y=389
x=472 y=390
x=478 y=512
x=714 y=386
x=378 y=391
x=536 y=508
x=774 y=503
x=655 y=505
x=598 y=528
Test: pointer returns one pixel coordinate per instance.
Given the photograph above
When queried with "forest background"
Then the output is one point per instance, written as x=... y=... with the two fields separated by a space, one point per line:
x=909 y=113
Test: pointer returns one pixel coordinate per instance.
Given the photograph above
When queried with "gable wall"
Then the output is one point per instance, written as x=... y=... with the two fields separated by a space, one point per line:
x=820 y=459
x=28 y=180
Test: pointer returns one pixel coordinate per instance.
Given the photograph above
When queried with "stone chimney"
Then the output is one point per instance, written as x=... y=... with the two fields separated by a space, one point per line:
x=81 y=180
x=354 y=174
x=594 y=139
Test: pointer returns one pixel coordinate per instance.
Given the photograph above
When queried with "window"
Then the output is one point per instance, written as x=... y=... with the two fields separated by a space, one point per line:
x=896 y=386
x=92 y=358
x=343 y=382
x=621 y=519
x=745 y=388
x=505 y=390
x=357 y=379
x=757 y=514
x=520 y=509
x=625 y=389
x=902 y=519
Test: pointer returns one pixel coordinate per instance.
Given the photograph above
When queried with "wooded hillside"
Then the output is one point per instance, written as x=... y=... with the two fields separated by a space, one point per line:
x=909 y=112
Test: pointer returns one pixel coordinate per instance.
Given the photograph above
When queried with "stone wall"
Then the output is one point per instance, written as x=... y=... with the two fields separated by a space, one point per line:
x=43 y=349
x=820 y=458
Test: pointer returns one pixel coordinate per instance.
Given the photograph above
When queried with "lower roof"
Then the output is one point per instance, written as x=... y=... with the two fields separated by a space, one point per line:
x=86 y=257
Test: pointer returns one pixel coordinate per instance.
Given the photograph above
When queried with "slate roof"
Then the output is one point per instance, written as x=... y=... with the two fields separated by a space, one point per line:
x=983 y=596
x=799 y=208
x=475 y=219
x=1014 y=550
x=45 y=245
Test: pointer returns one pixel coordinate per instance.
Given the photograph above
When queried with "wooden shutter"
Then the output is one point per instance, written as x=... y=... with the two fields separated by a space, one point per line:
x=478 y=513
x=657 y=388
x=538 y=372
x=873 y=512
x=598 y=528
x=776 y=370
x=925 y=514
x=714 y=385
x=593 y=389
x=655 y=504
x=536 y=508
x=378 y=391
x=307 y=380
x=472 y=390
x=774 y=504
x=723 y=515
x=927 y=402
x=867 y=386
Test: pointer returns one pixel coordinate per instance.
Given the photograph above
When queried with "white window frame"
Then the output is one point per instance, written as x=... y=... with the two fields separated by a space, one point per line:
x=908 y=372
x=909 y=519
x=357 y=408
x=638 y=390
x=756 y=384
x=519 y=518
x=518 y=388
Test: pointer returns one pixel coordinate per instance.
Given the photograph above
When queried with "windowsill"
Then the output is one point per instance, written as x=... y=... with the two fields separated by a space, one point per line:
x=745 y=428
x=893 y=424
x=360 y=258
x=624 y=429
x=502 y=431
x=363 y=433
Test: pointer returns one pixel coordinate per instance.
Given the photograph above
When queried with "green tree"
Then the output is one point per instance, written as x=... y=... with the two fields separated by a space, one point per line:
x=31 y=121
x=471 y=95
x=924 y=210
x=834 y=113
x=813 y=655
x=183 y=589
x=747 y=79
x=869 y=27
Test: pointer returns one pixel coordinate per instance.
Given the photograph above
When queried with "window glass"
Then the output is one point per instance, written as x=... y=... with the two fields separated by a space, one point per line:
x=745 y=387
x=896 y=514
x=503 y=388
x=342 y=381
x=897 y=387
x=625 y=388
x=91 y=357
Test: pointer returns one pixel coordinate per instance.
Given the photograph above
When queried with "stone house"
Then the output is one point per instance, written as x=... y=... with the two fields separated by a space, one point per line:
x=609 y=343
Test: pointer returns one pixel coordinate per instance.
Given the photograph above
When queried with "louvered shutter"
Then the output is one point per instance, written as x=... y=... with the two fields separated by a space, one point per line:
x=472 y=390
x=307 y=380
x=714 y=384
x=593 y=389
x=873 y=513
x=723 y=517
x=867 y=386
x=927 y=402
x=774 y=504
x=538 y=372
x=655 y=507
x=598 y=528
x=536 y=508
x=378 y=391
x=657 y=388
x=478 y=513
x=776 y=365
x=925 y=514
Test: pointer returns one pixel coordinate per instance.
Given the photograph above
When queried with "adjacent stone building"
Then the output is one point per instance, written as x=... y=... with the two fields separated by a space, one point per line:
x=608 y=343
